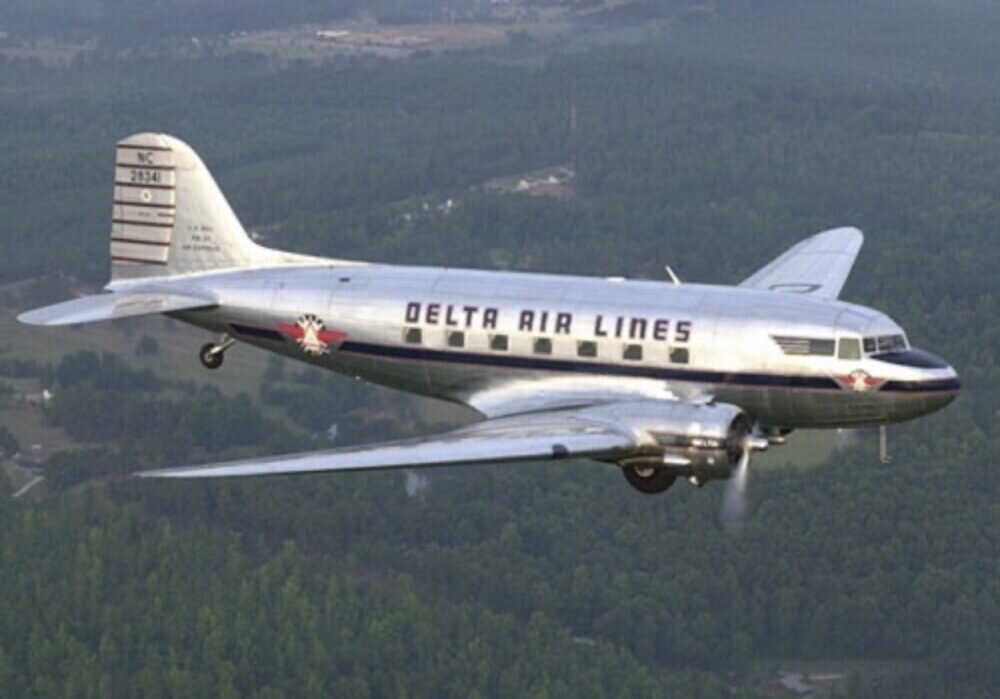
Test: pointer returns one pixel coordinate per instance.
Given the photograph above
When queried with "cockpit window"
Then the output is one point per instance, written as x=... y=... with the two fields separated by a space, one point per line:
x=891 y=343
x=885 y=343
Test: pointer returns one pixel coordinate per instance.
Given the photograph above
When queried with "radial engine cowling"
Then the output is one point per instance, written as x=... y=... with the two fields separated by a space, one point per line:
x=688 y=439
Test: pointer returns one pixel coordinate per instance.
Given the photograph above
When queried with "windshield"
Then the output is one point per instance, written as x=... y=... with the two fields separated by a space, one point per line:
x=883 y=344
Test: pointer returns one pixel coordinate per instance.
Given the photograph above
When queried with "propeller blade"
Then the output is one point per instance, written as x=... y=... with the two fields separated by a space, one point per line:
x=734 y=501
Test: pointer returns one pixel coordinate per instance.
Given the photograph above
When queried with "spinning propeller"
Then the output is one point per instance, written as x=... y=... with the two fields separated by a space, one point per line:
x=735 y=503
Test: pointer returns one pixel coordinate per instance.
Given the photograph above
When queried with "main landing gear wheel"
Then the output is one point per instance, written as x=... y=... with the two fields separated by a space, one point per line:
x=648 y=479
x=212 y=354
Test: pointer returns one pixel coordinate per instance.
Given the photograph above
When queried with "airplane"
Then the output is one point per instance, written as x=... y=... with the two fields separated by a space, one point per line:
x=661 y=378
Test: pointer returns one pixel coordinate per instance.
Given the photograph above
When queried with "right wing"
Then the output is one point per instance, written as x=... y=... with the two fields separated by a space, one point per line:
x=531 y=437
x=818 y=266
x=123 y=304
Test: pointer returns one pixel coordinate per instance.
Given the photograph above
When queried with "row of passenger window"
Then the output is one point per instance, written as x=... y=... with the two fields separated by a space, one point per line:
x=543 y=345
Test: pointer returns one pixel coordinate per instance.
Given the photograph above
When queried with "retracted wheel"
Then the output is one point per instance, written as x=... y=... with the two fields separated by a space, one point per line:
x=211 y=355
x=648 y=479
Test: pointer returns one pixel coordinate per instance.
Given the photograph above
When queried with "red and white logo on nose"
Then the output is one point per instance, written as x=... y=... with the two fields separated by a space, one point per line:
x=860 y=381
x=311 y=334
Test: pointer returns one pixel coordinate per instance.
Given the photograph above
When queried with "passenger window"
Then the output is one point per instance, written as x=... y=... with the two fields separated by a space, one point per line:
x=850 y=348
x=456 y=338
x=412 y=336
x=632 y=352
x=543 y=345
x=499 y=343
x=679 y=355
x=586 y=348
x=869 y=345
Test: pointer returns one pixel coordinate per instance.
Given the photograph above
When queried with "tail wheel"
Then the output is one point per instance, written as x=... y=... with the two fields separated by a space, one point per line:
x=648 y=479
x=211 y=356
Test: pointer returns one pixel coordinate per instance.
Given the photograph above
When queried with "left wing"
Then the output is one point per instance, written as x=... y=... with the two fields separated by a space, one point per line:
x=531 y=437
x=818 y=266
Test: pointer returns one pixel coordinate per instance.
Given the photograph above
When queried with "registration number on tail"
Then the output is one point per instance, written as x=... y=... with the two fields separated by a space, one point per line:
x=137 y=176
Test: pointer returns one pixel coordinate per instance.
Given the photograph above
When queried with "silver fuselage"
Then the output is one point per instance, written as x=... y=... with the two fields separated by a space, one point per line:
x=697 y=342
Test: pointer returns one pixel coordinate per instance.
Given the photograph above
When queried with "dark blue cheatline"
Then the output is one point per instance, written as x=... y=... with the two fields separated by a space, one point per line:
x=644 y=372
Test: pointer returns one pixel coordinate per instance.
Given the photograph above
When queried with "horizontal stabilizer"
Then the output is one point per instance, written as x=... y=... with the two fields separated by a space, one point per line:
x=818 y=266
x=114 y=306
x=522 y=438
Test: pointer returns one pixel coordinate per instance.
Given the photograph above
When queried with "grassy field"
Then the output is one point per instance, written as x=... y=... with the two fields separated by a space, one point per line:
x=26 y=422
x=177 y=357
x=15 y=476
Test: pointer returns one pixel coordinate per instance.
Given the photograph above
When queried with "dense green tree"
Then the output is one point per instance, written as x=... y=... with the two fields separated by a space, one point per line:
x=8 y=443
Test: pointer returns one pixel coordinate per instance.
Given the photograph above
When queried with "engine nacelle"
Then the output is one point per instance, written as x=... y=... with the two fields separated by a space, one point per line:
x=689 y=439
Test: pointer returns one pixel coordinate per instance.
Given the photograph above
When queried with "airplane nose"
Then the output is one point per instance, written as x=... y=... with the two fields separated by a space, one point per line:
x=953 y=375
x=954 y=386
x=941 y=381
x=932 y=382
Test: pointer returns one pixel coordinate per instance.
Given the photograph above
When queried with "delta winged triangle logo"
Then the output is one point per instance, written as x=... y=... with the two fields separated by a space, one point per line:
x=859 y=381
x=310 y=341
x=311 y=334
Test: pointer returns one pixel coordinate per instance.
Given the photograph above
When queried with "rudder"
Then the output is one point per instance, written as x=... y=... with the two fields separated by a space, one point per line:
x=170 y=217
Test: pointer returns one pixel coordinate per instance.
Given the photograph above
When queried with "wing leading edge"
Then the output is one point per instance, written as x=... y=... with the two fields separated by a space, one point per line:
x=533 y=437
x=818 y=266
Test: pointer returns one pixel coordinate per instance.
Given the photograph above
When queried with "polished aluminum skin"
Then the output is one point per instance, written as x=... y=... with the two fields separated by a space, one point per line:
x=665 y=379
x=731 y=352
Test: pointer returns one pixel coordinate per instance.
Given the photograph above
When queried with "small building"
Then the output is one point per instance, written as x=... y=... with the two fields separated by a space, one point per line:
x=790 y=684
x=332 y=34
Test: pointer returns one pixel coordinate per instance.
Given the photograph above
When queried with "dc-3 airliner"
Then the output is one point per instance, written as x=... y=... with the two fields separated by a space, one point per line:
x=661 y=379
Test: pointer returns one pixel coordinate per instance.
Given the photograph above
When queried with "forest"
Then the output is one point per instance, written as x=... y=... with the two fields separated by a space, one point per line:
x=710 y=146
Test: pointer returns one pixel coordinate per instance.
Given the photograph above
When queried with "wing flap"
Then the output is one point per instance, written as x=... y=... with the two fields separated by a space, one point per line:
x=522 y=438
x=114 y=306
x=817 y=266
x=560 y=393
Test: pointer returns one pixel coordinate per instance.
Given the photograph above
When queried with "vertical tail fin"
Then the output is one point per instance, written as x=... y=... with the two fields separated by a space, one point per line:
x=171 y=218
